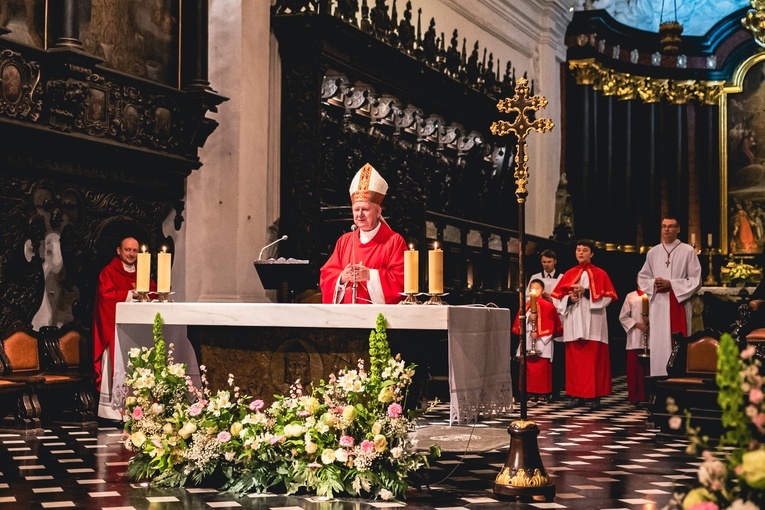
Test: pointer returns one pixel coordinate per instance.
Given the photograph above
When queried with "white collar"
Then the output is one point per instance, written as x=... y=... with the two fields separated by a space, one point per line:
x=365 y=237
x=128 y=268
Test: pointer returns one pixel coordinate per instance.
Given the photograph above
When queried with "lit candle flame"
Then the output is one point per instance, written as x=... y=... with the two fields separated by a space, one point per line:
x=435 y=245
x=164 y=249
x=411 y=246
x=143 y=248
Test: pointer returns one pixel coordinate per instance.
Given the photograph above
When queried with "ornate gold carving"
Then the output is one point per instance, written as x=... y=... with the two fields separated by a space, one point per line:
x=754 y=21
x=669 y=37
x=608 y=82
x=522 y=105
x=680 y=92
x=522 y=478
x=626 y=87
x=650 y=90
x=586 y=72
x=709 y=92
x=523 y=424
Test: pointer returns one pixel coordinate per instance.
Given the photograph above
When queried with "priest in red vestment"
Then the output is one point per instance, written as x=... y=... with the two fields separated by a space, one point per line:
x=367 y=262
x=115 y=282
x=581 y=296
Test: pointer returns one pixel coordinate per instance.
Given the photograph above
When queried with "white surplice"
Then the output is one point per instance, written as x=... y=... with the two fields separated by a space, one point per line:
x=630 y=314
x=585 y=319
x=684 y=272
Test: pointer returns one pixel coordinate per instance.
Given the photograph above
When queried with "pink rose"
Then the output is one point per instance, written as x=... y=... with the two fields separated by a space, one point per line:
x=704 y=505
x=755 y=396
x=195 y=409
x=257 y=405
x=759 y=420
x=138 y=413
x=224 y=436
x=394 y=410
x=346 y=441
x=276 y=439
x=367 y=446
x=303 y=413
x=748 y=352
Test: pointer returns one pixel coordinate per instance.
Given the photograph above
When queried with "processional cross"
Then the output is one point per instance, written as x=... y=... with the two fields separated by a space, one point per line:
x=523 y=474
x=523 y=106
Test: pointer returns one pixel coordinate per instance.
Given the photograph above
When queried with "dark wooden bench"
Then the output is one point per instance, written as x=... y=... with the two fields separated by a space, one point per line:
x=690 y=381
x=49 y=365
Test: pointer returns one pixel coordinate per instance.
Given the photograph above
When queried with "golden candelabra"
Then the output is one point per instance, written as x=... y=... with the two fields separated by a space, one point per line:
x=710 y=281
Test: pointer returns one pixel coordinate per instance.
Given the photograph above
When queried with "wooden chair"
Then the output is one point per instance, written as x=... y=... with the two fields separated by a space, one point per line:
x=61 y=394
x=690 y=381
x=19 y=408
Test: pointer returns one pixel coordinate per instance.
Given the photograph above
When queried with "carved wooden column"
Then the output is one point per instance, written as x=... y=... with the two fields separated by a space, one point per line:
x=69 y=25
x=194 y=38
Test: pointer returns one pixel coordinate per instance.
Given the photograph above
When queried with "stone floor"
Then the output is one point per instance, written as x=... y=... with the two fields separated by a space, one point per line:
x=606 y=459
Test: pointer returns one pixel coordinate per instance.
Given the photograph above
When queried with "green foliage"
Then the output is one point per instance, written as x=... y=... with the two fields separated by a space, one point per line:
x=349 y=435
x=731 y=395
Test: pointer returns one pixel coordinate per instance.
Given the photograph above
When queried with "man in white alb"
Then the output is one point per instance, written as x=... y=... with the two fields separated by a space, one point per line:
x=670 y=276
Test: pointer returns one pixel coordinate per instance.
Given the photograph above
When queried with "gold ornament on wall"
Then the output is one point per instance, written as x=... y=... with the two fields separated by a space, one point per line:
x=754 y=21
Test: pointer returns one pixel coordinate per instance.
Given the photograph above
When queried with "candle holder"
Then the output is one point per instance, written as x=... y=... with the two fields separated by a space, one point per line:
x=710 y=281
x=143 y=296
x=435 y=299
x=533 y=351
x=411 y=299
x=164 y=297
x=646 y=352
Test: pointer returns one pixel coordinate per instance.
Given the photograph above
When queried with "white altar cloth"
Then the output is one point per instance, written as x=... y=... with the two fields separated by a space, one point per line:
x=479 y=341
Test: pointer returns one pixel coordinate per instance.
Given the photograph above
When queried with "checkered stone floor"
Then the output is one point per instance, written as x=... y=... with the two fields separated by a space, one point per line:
x=604 y=459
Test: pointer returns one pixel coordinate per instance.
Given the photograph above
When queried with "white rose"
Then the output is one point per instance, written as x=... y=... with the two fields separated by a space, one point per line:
x=396 y=452
x=310 y=448
x=385 y=494
x=341 y=455
x=328 y=456
x=138 y=438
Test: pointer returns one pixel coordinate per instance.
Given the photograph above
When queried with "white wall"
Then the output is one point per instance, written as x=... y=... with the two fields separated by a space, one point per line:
x=233 y=199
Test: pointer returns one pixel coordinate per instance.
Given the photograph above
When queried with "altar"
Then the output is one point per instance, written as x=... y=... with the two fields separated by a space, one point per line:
x=300 y=340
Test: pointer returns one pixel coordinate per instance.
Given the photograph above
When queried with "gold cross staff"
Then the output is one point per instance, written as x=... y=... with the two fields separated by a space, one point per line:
x=522 y=105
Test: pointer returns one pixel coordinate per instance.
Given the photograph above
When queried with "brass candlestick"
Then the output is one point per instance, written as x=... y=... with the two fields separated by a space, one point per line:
x=645 y=353
x=143 y=296
x=533 y=351
x=435 y=299
x=710 y=281
x=164 y=297
x=410 y=299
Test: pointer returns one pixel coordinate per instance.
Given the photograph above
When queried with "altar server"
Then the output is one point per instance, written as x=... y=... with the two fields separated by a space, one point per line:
x=670 y=276
x=631 y=317
x=542 y=324
x=581 y=296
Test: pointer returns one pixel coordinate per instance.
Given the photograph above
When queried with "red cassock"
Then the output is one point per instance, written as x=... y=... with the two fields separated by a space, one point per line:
x=539 y=368
x=114 y=283
x=385 y=252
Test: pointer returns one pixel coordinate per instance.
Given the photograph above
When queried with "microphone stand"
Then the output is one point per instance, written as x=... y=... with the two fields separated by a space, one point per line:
x=353 y=257
x=282 y=238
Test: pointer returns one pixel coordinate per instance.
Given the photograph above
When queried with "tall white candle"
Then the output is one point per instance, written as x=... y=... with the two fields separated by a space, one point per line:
x=436 y=270
x=693 y=239
x=163 y=270
x=709 y=240
x=142 y=269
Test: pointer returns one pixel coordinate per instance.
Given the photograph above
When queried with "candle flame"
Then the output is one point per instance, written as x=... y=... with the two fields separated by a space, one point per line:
x=143 y=248
x=411 y=246
x=533 y=292
x=164 y=249
x=435 y=245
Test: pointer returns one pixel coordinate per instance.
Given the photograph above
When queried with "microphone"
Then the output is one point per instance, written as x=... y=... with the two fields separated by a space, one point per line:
x=282 y=238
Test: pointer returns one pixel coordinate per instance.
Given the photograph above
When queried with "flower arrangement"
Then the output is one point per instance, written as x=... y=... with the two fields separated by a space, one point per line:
x=349 y=435
x=740 y=272
x=734 y=476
